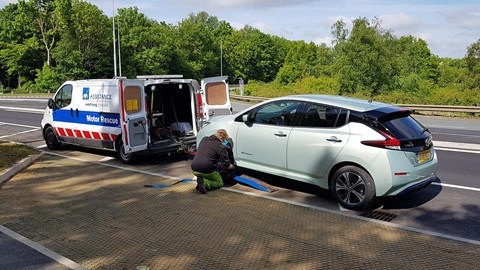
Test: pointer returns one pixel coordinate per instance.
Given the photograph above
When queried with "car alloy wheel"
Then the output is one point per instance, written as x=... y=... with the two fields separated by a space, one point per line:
x=353 y=188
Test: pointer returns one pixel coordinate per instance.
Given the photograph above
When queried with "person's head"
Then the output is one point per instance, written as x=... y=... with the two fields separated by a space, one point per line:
x=221 y=134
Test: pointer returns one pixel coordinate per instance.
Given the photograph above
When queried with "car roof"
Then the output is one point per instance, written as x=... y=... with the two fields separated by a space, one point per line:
x=356 y=104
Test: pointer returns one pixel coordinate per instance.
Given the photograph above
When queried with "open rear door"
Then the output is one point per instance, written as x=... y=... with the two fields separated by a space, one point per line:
x=133 y=116
x=215 y=95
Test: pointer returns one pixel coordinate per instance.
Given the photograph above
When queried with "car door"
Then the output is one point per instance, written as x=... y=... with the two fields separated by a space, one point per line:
x=317 y=140
x=215 y=95
x=63 y=114
x=133 y=116
x=261 y=142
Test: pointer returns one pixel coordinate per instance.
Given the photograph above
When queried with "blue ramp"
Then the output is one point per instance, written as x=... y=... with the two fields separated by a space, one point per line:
x=255 y=183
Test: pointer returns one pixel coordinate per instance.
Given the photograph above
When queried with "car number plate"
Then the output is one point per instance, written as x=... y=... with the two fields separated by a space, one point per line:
x=423 y=156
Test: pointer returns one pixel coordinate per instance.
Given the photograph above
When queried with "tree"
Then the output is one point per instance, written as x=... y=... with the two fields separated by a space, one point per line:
x=414 y=56
x=19 y=50
x=46 y=21
x=473 y=63
x=252 y=54
x=364 y=61
x=147 y=47
x=339 y=32
x=199 y=48
x=84 y=49
x=300 y=62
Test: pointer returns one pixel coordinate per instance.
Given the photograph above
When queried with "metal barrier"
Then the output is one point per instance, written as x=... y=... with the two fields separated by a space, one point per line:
x=432 y=108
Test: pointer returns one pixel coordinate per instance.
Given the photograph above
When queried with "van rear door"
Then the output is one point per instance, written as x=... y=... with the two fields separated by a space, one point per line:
x=133 y=116
x=215 y=95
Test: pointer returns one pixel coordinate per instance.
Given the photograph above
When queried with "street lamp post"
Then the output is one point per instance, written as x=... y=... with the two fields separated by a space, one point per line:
x=114 y=45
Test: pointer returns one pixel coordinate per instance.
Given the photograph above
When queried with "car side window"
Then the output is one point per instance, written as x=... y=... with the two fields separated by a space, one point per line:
x=63 y=97
x=318 y=115
x=280 y=113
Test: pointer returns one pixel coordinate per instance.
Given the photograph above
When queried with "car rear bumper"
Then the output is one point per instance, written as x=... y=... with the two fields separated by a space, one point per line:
x=394 y=174
x=418 y=186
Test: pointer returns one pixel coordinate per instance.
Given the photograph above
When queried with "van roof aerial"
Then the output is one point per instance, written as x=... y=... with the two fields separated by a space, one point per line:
x=152 y=77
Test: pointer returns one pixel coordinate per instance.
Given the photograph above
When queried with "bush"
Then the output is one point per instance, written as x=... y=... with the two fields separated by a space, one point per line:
x=47 y=80
x=443 y=96
x=312 y=85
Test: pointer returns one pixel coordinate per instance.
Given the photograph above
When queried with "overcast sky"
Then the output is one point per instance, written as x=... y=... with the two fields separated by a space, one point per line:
x=447 y=26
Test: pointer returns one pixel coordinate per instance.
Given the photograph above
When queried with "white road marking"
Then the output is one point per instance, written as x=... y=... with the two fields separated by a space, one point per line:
x=17 y=125
x=451 y=127
x=29 y=110
x=106 y=159
x=45 y=251
x=456 y=145
x=460 y=135
x=455 y=186
x=18 y=133
x=26 y=99
x=457 y=150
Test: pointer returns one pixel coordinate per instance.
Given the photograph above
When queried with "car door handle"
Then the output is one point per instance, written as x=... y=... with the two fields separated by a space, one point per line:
x=334 y=139
x=280 y=134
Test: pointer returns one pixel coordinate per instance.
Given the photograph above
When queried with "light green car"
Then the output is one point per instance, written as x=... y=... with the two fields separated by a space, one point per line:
x=358 y=149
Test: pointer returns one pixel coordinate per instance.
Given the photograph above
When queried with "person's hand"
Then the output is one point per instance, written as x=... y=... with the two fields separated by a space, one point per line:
x=231 y=167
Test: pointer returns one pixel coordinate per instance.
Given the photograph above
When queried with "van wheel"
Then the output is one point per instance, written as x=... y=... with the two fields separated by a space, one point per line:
x=51 y=139
x=121 y=155
x=353 y=188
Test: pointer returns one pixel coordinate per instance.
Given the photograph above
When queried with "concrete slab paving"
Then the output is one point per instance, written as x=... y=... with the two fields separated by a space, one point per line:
x=104 y=218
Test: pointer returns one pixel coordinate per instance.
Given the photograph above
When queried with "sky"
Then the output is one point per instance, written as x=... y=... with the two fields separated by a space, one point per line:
x=447 y=26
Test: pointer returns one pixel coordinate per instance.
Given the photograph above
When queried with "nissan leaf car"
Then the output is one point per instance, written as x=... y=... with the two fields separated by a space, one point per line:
x=358 y=149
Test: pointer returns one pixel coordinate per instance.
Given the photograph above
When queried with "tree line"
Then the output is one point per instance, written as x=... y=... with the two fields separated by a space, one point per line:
x=45 y=42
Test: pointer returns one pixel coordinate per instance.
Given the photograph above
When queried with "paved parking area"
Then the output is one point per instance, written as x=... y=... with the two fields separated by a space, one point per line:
x=104 y=218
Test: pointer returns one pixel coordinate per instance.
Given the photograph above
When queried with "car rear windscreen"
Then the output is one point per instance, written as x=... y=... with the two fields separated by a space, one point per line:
x=404 y=127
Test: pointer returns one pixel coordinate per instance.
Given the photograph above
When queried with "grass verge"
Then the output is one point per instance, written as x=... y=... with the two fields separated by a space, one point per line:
x=12 y=153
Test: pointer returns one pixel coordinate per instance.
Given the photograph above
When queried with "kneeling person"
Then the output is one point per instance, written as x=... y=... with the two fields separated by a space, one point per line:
x=210 y=152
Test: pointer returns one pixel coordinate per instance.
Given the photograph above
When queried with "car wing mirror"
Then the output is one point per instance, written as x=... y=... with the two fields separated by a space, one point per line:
x=51 y=104
x=248 y=118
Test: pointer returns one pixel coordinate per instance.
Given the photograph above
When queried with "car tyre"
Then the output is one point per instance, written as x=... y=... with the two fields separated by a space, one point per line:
x=51 y=139
x=353 y=188
x=121 y=155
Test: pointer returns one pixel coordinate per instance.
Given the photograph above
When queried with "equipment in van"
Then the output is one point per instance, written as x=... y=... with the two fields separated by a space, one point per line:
x=154 y=114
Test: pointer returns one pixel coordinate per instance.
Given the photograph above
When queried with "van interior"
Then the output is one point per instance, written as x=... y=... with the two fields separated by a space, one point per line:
x=170 y=107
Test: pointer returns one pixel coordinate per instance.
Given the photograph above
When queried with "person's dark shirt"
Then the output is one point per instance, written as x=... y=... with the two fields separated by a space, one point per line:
x=210 y=151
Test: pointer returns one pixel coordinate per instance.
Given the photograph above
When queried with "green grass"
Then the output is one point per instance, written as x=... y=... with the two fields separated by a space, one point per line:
x=13 y=153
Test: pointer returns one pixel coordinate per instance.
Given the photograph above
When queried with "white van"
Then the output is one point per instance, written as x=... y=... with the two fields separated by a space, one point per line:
x=150 y=114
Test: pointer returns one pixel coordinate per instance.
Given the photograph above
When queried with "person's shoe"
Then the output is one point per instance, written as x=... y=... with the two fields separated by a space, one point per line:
x=200 y=186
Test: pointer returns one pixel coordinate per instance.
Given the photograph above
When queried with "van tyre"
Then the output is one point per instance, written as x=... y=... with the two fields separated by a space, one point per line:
x=51 y=139
x=122 y=156
x=353 y=188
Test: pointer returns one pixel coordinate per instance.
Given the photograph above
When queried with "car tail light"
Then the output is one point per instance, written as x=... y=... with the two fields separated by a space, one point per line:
x=390 y=142
x=199 y=106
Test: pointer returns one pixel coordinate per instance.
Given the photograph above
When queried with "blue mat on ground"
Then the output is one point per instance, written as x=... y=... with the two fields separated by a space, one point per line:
x=255 y=183
x=167 y=185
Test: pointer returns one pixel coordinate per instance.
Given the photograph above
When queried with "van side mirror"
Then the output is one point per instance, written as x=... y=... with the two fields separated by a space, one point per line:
x=51 y=104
